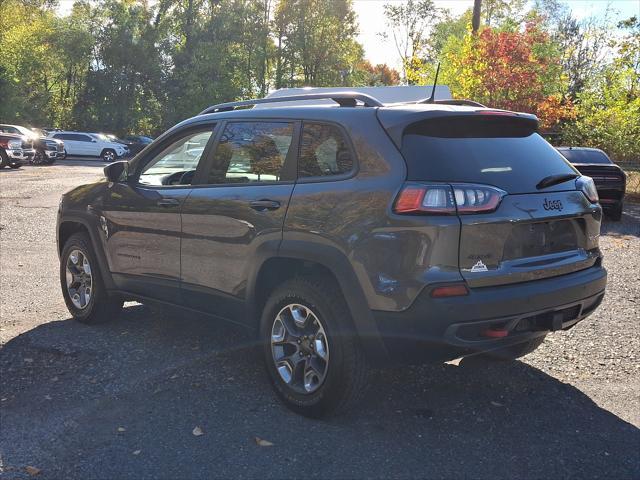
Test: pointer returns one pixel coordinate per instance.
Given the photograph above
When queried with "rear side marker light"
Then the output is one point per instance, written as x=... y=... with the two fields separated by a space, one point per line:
x=493 y=333
x=444 y=199
x=449 y=291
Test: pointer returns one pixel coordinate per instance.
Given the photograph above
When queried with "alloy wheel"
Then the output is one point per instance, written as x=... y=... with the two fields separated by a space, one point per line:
x=79 y=279
x=300 y=348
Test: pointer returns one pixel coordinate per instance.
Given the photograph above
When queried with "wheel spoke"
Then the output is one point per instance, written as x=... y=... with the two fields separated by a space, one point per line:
x=300 y=348
x=79 y=279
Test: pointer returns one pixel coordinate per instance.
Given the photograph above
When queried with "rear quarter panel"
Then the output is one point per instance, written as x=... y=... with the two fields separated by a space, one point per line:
x=392 y=256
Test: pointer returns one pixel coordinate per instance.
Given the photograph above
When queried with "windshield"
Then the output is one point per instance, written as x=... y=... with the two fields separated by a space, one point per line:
x=480 y=150
x=585 y=156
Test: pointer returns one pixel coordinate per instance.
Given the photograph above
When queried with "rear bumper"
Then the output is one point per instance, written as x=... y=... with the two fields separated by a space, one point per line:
x=445 y=328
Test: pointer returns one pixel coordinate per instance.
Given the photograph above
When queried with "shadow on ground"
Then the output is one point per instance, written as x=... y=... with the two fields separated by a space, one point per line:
x=122 y=399
x=629 y=225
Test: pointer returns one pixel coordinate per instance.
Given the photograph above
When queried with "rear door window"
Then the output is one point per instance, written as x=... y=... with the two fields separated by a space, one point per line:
x=499 y=151
x=323 y=151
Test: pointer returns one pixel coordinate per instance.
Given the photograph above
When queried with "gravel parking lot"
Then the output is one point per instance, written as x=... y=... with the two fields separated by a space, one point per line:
x=123 y=399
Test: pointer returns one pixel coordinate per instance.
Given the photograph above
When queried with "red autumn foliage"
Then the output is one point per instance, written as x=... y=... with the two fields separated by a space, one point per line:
x=509 y=70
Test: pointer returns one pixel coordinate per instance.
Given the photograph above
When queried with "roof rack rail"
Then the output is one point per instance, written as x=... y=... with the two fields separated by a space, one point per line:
x=344 y=99
x=461 y=101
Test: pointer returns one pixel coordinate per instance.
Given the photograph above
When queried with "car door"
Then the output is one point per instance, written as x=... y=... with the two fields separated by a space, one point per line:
x=70 y=143
x=141 y=217
x=236 y=212
x=92 y=145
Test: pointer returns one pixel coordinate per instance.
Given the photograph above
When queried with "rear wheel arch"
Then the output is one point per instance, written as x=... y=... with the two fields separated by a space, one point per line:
x=307 y=259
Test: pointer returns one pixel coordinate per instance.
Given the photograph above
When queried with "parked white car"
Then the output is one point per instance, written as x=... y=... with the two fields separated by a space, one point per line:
x=83 y=144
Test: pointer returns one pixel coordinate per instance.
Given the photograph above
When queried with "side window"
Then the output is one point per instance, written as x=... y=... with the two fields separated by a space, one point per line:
x=323 y=151
x=251 y=152
x=176 y=164
x=61 y=136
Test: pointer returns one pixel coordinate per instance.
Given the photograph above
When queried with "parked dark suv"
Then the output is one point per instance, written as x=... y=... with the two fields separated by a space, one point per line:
x=344 y=236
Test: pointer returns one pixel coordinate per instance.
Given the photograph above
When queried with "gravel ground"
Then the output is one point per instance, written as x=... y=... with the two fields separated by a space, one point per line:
x=122 y=400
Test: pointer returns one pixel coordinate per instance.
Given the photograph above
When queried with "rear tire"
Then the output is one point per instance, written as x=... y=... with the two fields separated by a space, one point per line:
x=615 y=213
x=81 y=282
x=4 y=159
x=331 y=373
x=516 y=351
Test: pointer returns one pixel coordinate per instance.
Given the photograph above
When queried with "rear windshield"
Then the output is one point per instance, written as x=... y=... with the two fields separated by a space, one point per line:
x=585 y=156
x=498 y=151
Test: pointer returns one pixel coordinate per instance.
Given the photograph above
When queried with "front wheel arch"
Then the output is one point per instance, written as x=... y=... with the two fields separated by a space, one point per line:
x=68 y=227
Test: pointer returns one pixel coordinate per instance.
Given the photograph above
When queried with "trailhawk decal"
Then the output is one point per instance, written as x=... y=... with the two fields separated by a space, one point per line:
x=478 y=267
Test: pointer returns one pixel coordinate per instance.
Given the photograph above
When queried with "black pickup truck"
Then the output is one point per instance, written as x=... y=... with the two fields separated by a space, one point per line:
x=609 y=178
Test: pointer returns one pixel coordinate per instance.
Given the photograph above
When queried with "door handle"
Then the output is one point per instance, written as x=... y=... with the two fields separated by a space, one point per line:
x=262 y=205
x=168 y=202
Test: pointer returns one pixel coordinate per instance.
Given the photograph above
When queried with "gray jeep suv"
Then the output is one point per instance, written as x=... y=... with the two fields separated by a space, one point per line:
x=344 y=236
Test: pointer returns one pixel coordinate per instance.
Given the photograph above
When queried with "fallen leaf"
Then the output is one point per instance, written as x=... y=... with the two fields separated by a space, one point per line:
x=496 y=404
x=197 y=431
x=172 y=377
x=455 y=362
x=54 y=379
x=262 y=442
x=47 y=397
x=28 y=360
x=137 y=452
x=122 y=429
x=33 y=471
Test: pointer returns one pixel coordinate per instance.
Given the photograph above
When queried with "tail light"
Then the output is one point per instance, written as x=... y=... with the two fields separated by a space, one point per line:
x=588 y=188
x=445 y=199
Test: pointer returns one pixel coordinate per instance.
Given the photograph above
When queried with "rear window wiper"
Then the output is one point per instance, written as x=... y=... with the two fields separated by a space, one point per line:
x=555 y=179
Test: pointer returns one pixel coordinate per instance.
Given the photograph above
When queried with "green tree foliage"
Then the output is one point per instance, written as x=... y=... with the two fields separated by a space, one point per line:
x=409 y=24
x=316 y=43
x=608 y=109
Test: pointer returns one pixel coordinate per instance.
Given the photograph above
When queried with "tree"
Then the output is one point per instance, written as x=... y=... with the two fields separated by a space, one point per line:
x=409 y=25
x=509 y=69
x=316 y=43
x=608 y=109
x=583 y=45
x=375 y=76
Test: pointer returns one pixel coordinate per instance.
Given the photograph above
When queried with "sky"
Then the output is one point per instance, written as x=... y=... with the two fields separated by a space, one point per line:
x=371 y=20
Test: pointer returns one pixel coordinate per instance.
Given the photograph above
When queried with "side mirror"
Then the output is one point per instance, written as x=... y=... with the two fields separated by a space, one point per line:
x=117 y=171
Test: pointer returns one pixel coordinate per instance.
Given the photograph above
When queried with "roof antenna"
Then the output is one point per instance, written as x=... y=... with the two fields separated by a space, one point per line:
x=432 y=98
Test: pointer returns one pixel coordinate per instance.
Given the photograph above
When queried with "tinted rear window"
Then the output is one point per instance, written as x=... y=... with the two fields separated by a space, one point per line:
x=585 y=156
x=499 y=151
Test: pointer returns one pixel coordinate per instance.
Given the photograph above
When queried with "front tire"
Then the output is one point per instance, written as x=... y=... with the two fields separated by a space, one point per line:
x=82 y=287
x=40 y=158
x=314 y=360
x=108 y=155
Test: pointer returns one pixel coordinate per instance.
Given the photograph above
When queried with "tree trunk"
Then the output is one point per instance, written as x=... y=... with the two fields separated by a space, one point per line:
x=475 y=20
